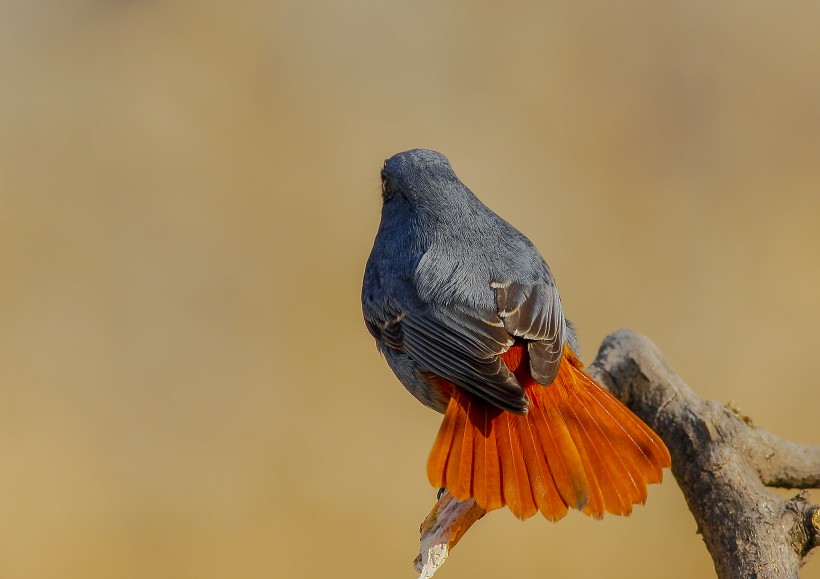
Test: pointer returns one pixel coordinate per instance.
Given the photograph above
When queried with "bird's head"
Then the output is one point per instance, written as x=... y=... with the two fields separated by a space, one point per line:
x=420 y=177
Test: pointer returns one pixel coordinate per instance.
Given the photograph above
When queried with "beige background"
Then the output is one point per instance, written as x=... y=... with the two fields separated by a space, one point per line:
x=188 y=194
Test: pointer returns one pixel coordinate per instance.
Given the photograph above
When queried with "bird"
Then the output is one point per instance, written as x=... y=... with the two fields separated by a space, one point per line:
x=467 y=315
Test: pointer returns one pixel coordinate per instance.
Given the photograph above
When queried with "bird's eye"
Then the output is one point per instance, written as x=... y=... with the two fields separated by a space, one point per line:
x=385 y=184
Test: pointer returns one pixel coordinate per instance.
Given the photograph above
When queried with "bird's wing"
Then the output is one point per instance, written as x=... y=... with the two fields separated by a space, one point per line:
x=461 y=345
x=533 y=312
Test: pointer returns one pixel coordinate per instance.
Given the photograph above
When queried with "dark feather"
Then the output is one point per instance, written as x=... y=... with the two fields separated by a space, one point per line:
x=534 y=312
x=464 y=350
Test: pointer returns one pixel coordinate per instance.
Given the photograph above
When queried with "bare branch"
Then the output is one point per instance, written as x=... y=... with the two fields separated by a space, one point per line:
x=716 y=456
x=784 y=464
x=442 y=529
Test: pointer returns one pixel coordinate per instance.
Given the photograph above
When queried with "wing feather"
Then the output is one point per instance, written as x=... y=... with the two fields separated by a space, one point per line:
x=533 y=312
x=462 y=344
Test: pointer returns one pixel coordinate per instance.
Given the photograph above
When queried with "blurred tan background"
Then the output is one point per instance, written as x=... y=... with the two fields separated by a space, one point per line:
x=188 y=195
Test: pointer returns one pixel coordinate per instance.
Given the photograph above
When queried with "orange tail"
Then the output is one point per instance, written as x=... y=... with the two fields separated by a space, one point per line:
x=577 y=447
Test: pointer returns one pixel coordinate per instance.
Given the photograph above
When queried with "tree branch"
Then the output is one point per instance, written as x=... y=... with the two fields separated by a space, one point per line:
x=442 y=529
x=721 y=461
x=781 y=463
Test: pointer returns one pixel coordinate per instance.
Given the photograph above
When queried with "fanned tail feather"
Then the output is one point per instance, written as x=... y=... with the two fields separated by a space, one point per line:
x=577 y=447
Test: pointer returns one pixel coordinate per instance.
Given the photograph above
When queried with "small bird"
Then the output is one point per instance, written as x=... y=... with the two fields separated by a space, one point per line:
x=467 y=315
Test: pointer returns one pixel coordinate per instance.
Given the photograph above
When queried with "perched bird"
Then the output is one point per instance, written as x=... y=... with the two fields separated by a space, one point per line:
x=467 y=315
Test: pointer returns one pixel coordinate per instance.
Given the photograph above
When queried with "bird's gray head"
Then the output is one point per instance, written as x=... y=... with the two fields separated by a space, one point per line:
x=419 y=176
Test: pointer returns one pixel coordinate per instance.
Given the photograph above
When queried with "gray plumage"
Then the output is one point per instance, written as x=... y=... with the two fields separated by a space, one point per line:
x=450 y=285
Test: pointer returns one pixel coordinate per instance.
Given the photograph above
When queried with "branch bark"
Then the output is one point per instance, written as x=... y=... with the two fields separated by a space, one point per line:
x=720 y=459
